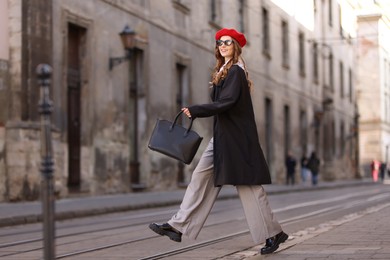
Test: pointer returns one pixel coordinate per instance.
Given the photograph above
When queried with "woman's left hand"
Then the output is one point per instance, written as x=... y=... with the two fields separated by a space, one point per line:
x=186 y=111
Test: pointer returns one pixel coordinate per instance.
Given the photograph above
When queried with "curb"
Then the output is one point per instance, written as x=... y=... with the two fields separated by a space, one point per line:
x=69 y=214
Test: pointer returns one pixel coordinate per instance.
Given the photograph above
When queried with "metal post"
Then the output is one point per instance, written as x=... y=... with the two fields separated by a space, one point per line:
x=136 y=184
x=47 y=165
x=134 y=163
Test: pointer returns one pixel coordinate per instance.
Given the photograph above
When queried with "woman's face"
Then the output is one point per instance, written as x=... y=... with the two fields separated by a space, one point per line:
x=225 y=47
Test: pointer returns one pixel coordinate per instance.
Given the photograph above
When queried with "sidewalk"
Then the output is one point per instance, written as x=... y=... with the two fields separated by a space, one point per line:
x=363 y=235
x=31 y=212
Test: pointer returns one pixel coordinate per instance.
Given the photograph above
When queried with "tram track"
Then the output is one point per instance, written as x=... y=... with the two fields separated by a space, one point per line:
x=156 y=215
x=350 y=201
x=245 y=232
x=145 y=223
x=219 y=239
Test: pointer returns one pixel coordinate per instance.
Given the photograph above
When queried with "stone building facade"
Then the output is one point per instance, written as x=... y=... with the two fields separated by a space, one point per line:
x=4 y=57
x=304 y=87
x=373 y=81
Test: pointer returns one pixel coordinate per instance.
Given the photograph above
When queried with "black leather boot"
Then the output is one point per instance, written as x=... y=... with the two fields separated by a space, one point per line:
x=166 y=230
x=272 y=243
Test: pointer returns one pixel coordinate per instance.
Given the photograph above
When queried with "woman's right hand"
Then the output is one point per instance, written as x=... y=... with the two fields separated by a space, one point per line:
x=186 y=111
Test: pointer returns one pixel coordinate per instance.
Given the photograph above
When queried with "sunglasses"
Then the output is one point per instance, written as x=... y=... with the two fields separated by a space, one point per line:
x=226 y=42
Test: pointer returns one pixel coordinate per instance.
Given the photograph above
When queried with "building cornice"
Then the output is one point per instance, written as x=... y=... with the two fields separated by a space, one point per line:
x=369 y=17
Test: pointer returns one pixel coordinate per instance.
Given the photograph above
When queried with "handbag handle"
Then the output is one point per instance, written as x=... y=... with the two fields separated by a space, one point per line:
x=174 y=123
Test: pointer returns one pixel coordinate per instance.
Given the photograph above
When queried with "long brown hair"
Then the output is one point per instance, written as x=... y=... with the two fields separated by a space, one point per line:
x=218 y=75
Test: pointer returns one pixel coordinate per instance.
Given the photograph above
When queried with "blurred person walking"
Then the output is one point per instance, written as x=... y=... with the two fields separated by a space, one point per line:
x=314 y=167
x=305 y=172
x=375 y=165
x=290 y=168
x=232 y=157
x=382 y=171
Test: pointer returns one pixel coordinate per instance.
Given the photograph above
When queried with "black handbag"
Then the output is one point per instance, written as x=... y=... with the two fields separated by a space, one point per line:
x=175 y=140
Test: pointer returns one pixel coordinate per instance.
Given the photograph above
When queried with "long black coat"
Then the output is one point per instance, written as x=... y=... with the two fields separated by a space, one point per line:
x=238 y=157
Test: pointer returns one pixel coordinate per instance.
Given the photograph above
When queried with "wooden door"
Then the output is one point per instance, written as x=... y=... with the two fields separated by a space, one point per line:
x=76 y=35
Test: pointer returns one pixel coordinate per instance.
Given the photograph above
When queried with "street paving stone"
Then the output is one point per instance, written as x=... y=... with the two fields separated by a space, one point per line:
x=362 y=235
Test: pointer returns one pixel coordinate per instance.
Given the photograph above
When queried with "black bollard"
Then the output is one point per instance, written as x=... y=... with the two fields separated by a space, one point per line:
x=47 y=164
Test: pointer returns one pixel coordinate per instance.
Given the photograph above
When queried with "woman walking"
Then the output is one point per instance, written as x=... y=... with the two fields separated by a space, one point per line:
x=232 y=157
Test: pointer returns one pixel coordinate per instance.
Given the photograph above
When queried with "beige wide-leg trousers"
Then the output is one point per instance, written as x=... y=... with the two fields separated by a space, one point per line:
x=201 y=195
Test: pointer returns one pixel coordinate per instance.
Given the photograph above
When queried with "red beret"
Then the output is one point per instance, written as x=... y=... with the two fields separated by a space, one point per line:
x=239 y=37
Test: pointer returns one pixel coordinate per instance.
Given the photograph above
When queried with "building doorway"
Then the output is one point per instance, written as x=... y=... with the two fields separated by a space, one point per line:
x=76 y=43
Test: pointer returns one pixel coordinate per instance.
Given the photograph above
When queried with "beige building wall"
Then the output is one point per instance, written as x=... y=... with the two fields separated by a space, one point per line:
x=4 y=45
x=169 y=33
x=287 y=86
x=374 y=83
x=174 y=47
x=334 y=33
x=4 y=56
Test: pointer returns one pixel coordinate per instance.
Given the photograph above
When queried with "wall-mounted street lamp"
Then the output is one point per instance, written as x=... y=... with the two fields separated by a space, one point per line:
x=128 y=38
x=327 y=103
x=128 y=41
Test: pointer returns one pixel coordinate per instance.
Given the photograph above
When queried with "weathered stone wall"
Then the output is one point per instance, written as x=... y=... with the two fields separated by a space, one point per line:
x=170 y=33
x=110 y=153
x=23 y=158
x=36 y=49
x=15 y=60
x=373 y=87
x=4 y=86
x=3 y=118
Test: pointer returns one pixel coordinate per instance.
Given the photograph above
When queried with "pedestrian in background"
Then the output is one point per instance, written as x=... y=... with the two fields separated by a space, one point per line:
x=375 y=165
x=305 y=172
x=290 y=168
x=382 y=171
x=314 y=167
x=232 y=157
